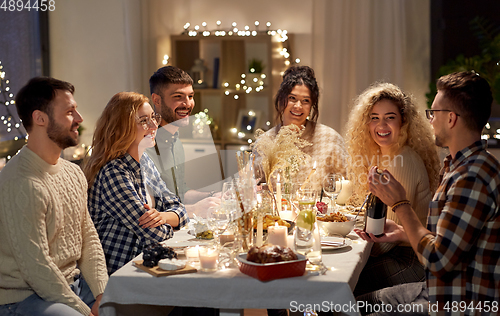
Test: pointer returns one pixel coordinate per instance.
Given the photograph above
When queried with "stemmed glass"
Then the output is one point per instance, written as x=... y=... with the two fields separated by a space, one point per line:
x=332 y=185
x=218 y=220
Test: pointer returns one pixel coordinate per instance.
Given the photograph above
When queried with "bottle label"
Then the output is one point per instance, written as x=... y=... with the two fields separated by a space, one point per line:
x=375 y=226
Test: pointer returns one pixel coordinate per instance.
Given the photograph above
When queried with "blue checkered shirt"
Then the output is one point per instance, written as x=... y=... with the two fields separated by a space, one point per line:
x=116 y=202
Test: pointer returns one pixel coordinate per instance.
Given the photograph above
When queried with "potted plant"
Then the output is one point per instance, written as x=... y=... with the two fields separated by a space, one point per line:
x=255 y=66
x=487 y=65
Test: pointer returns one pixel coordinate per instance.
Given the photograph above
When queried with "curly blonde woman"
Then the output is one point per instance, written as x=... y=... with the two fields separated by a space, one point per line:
x=386 y=129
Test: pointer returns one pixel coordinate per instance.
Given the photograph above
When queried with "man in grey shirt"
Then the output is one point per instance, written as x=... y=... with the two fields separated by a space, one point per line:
x=173 y=97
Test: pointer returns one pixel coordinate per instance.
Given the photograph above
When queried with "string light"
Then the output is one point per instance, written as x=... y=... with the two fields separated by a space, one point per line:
x=257 y=82
x=11 y=123
x=165 y=59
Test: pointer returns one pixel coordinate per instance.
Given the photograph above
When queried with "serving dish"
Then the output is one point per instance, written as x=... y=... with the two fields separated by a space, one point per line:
x=272 y=271
x=338 y=228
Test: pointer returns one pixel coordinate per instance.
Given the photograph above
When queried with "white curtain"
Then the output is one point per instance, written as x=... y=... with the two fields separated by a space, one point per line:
x=357 y=42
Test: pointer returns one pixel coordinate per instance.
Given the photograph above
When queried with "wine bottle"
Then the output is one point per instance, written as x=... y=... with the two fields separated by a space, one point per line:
x=376 y=212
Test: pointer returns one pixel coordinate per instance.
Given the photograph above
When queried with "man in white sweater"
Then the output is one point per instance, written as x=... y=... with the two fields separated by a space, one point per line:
x=51 y=260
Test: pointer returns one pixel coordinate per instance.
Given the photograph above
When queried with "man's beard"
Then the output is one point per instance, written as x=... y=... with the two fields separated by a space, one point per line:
x=438 y=140
x=168 y=115
x=59 y=135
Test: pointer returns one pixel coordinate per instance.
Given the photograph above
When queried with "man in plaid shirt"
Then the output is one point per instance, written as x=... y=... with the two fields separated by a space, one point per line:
x=460 y=248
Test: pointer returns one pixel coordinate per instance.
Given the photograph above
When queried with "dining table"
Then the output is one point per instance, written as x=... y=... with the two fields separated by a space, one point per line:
x=132 y=291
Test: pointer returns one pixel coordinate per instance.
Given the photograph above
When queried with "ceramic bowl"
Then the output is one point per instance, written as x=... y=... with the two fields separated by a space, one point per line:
x=337 y=228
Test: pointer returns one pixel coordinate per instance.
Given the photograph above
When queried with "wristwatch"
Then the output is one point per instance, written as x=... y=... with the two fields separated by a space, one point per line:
x=211 y=194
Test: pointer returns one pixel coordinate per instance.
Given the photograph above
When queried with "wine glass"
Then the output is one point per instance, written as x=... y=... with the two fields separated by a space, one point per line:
x=218 y=221
x=332 y=185
x=228 y=197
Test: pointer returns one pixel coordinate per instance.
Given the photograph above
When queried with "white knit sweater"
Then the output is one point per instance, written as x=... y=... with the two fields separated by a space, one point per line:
x=46 y=231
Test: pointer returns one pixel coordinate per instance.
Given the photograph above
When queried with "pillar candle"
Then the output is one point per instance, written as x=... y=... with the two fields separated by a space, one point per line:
x=347 y=188
x=260 y=231
x=276 y=235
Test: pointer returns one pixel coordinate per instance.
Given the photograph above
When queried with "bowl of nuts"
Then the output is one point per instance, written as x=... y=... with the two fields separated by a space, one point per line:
x=336 y=224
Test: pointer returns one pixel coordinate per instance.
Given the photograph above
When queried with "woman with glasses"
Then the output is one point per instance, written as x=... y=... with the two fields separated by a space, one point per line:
x=130 y=209
x=296 y=102
x=385 y=129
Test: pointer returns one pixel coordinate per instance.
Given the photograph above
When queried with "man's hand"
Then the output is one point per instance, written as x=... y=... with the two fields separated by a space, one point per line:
x=95 y=308
x=202 y=207
x=392 y=233
x=385 y=187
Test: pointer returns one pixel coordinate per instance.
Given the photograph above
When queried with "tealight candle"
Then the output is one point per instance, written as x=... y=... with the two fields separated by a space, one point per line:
x=192 y=254
x=209 y=259
x=276 y=235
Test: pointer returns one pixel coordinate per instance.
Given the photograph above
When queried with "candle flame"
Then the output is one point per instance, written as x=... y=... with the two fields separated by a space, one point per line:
x=278 y=178
x=314 y=166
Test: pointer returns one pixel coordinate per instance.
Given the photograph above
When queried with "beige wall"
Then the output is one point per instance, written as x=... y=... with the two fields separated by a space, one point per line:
x=104 y=47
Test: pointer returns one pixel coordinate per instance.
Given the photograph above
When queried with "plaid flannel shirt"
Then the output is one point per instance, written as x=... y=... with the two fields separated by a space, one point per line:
x=462 y=255
x=116 y=202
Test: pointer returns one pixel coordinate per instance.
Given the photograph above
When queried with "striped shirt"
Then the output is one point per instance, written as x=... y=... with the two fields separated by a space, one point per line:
x=462 y=255
x=116 y=202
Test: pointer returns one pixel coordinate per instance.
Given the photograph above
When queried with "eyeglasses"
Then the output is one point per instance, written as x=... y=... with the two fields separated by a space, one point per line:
x=146 y=122
x=293 y=100
x=430 y=113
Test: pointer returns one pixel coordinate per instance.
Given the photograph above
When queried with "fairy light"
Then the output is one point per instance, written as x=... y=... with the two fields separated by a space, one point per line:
x=165 y=59
x=254 y=85
x=10 y=122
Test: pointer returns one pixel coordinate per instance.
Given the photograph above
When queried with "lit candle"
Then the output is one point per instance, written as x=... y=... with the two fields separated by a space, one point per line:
x=209 y=259
x=276 y=235
x=278 y=193
x=192 y=254
x=309 y=176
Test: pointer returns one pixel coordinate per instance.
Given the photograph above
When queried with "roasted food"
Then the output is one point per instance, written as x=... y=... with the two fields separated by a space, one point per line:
x=270 y=254
x=334 y=217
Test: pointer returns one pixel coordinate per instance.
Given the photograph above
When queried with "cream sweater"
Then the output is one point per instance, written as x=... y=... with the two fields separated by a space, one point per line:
x=409 y=169
x=46 y=231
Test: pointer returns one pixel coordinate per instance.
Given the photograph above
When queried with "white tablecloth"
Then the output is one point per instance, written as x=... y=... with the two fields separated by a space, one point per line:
x=231 y=289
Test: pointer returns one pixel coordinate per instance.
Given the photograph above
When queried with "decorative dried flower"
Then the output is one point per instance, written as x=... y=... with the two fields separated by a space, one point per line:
x=281 y=151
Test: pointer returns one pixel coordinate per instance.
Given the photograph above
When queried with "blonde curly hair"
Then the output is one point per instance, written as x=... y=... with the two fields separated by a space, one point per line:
x=415 y=132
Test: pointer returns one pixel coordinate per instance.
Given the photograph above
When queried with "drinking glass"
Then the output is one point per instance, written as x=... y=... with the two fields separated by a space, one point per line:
x=307 y=240
x=218 y=221
x=332 y=186
x=228 y=197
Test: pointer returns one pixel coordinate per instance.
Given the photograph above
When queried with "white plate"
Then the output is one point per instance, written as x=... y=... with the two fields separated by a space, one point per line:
x=347 y=242
x=184 y=244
